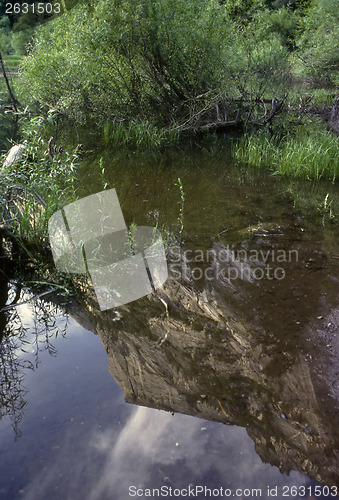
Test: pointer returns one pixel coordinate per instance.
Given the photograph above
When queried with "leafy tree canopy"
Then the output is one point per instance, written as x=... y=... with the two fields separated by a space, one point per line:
x=169 y=61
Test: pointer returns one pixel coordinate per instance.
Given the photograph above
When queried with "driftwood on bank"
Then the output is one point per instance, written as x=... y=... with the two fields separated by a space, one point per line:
x=256 y=113
x=204 y=122
x=221 y=127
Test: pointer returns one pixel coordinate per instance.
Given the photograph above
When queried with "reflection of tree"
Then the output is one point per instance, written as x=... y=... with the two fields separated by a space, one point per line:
x=21 y=344
x=12 y=395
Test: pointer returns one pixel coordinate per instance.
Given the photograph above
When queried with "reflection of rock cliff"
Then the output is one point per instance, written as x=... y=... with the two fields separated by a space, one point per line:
x=236 y=358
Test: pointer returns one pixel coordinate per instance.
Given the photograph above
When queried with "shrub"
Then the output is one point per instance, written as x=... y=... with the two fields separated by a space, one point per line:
x=162 y=61
x=318 y=45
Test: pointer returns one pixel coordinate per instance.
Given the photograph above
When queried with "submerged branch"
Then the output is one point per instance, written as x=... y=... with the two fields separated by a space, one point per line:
x=220 y=127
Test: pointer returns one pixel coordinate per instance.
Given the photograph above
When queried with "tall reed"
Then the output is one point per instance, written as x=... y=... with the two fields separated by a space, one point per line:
x=309 y=154
x=141 y=134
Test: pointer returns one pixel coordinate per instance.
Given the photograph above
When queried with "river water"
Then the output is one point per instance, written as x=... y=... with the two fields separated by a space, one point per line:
x=231 y=392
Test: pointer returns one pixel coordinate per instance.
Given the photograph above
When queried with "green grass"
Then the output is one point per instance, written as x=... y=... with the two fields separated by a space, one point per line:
x=314 y=96
x=4 y=97
x=323 y=97
x=141 y=134
x=12 y=62
x=308 y=153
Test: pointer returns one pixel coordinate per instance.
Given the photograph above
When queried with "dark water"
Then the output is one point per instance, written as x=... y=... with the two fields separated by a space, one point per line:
x=250 y=341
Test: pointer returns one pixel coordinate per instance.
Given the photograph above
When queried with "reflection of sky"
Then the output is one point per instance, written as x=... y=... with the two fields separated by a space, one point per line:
x=81 y=440
x=155 y=449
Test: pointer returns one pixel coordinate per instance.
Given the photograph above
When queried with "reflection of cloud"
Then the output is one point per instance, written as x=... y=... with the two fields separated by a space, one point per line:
x=149 y=438
x=153 y=449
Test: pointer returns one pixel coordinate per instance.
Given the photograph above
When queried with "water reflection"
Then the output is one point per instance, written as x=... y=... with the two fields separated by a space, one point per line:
x=259 y=355
x=177 y=453
x=206 y=360
x=29 y=327
x=204 y=367
x=257 y=350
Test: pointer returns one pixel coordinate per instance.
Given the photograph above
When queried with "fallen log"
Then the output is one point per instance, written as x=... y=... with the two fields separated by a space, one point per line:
x=221 y=127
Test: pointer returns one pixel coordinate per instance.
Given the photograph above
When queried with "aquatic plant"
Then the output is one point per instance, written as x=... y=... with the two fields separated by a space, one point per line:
x=306 y=153
x=182 y=204
x=105 y=184
x=140 y=133
x=326 y=208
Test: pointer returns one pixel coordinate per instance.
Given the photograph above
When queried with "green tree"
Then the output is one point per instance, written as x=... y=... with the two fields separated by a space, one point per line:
x=318 y=45
x=5 y=35
x=165 y=61
x=243 y=10
x=284 y=22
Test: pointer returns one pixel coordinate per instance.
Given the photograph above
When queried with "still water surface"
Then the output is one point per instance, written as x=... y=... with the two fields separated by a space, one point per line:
x=257 y=352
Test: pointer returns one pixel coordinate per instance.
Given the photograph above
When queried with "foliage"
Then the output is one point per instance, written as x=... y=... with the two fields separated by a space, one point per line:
x=142 y=70
x=309 y=153
x=182 y=205
x=123 y=60
x=284 y=22
x=16 y=28
x=165 y=61
x=326 y=208
x=40 y=183
x=318 y=45
x=141 y=134
x=162 y=61
x=5 y=34
x=7 y=124
x=261 y=64
x=243 y=10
